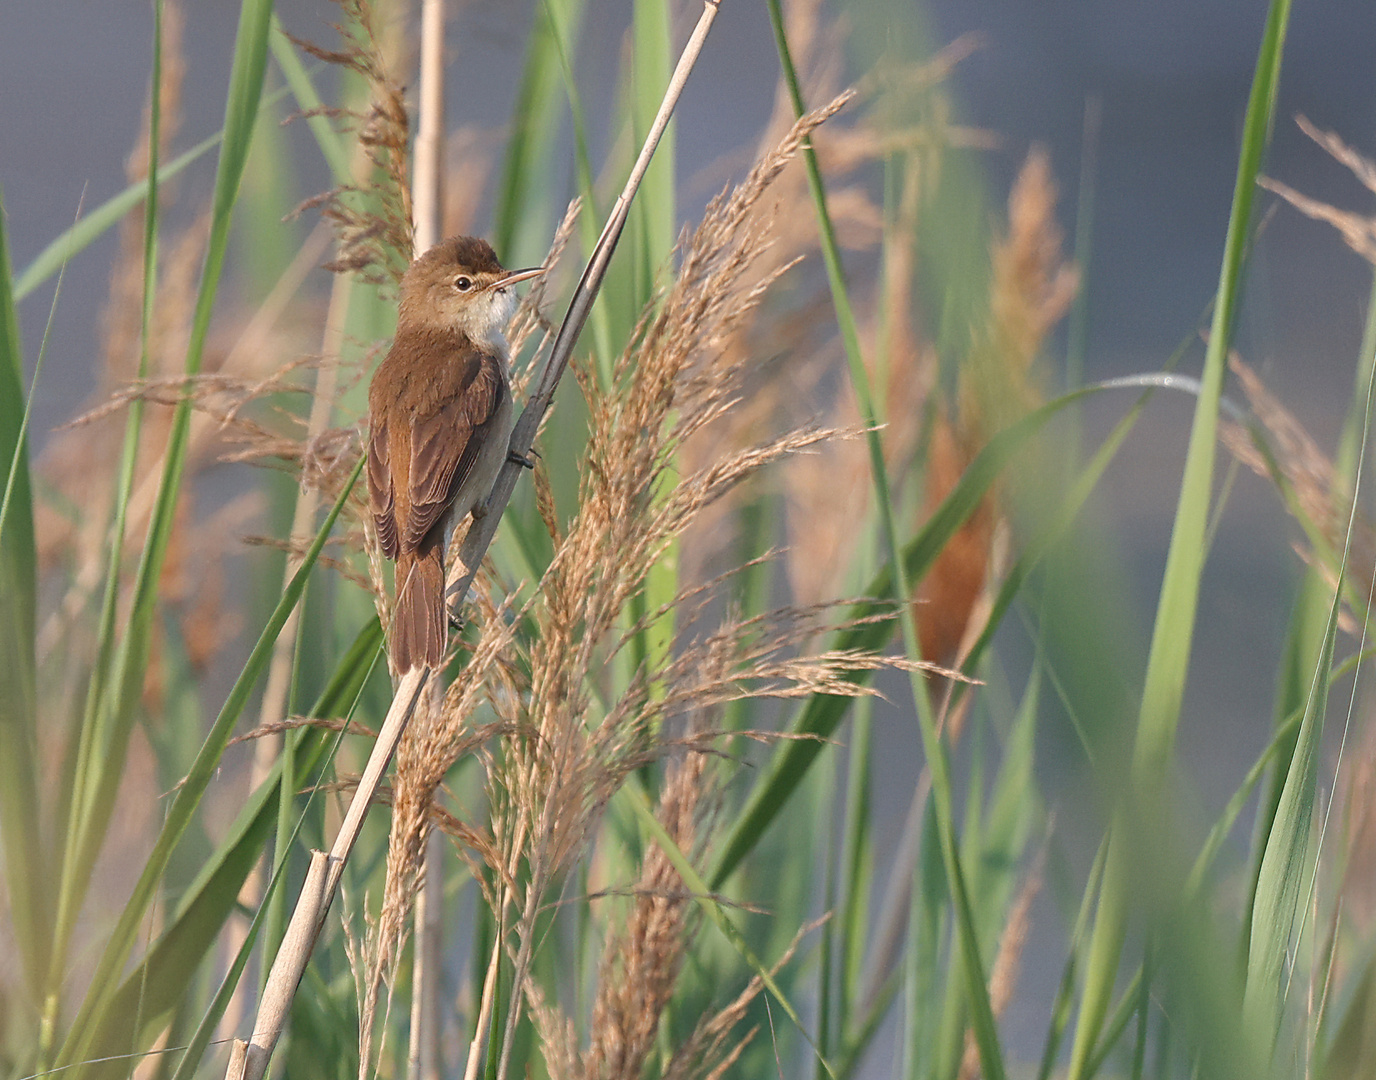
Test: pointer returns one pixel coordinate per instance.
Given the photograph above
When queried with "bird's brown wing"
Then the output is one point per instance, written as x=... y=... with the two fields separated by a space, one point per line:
x=446 y=443
x=380 y=493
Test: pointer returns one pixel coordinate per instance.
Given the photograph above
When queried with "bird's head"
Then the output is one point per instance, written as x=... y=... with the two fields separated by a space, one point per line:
x=459 y=285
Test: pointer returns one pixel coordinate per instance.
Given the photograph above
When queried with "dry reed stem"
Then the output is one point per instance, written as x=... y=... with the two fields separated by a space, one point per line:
x=427 y=955
x=311 y=908
x=312 y=905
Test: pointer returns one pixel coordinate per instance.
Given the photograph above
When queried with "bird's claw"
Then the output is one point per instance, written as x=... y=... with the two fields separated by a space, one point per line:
x=520 y=459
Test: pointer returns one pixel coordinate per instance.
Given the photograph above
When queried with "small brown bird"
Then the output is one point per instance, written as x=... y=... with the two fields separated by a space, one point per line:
x=441 y=419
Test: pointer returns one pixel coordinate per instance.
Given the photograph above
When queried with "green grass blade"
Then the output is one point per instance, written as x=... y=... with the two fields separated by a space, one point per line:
x=100 y=220
x=106 y=636
x=1285 y=866
x=96 y=791
x=121 y=941
x=20 y=819
x=1282 y=740
x=1168 y=661
x=31 y=815
x=18 y=458
x=652 y=64
x=1014 y=802
x=521 y=222
x=165 y=974
x=1117 y=1022
x=653 y=230
x=1065 y=992
x=1199 y=873
x=857 y=880
x=934 y=749
x=1173 y=632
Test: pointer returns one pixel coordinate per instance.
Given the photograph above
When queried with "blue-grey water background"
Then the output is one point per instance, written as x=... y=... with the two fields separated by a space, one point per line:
x=1172 y=79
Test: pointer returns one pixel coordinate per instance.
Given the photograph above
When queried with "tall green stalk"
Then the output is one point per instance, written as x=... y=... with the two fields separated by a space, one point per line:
x=1173 y=633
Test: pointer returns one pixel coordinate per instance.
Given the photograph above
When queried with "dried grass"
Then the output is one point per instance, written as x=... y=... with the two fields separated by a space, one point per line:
x=1310 y=486
x=1357 y=231
x=562 y=743
x=372 y=219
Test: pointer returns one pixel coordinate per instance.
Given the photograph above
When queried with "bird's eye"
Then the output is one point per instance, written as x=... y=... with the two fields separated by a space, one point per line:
x=463 y=283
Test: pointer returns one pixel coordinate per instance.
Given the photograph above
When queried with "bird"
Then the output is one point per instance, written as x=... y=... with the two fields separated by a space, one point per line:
x=440 y=420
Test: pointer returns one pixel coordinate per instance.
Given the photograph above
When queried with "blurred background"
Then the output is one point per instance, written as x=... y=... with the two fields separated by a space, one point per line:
x=1139 y=105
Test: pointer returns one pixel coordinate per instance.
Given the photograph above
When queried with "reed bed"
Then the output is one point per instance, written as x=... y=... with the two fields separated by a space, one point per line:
x=817 y=452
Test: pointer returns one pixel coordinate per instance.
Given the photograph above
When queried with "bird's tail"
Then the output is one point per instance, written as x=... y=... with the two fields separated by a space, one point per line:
x=420 y=623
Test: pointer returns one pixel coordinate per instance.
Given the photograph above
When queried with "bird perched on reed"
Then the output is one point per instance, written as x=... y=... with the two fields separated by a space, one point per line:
x=441 y=416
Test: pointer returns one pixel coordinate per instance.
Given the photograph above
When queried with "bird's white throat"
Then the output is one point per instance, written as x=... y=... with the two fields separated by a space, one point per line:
x=484 y=320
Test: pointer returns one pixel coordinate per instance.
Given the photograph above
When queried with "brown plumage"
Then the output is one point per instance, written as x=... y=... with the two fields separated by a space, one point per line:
x=441 y=419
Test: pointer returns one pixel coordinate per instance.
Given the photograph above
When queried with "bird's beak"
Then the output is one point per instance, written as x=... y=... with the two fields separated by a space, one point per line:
x=520 y=275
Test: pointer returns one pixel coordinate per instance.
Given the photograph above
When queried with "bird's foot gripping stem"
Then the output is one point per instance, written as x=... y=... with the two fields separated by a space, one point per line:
x=520 y=459
x=453 y=607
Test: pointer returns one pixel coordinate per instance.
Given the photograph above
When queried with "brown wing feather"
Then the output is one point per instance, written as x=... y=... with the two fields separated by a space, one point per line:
x=445 y=446
x=380 y=493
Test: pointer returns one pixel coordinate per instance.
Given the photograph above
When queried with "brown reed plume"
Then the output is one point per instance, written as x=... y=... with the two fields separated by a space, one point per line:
x=1357 y=230
x=1031 y=290
x=1311 y=486
x=372 y=220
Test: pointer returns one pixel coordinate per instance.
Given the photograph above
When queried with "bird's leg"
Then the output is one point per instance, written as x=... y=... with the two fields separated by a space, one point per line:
x=453 y=608
x=518 y=459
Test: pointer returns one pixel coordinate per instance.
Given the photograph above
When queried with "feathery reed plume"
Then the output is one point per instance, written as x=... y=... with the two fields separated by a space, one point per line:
x=1357 y=231
x=1310 y=487
x=372 y=219
x=1031 y=290
x=713 y=1047
x=640 y=965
